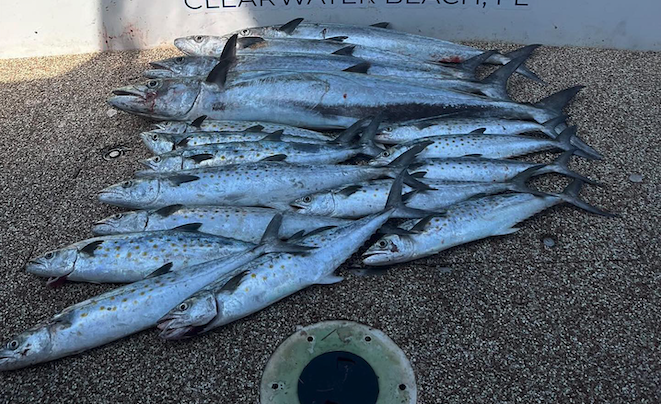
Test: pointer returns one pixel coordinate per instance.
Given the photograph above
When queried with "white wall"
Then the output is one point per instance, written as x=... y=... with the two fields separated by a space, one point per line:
x=51 y=27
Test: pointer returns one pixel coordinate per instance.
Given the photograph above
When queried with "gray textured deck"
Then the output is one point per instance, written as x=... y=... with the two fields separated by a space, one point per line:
x=513 y=321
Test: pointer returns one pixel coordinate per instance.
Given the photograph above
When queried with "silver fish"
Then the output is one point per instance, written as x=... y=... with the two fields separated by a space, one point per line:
x=202 y=124
x=477 y=144
x=273 y=277
x=489 y=170
x=130 y=257
x=415 y=46
x=210 y=46
x=316 y=100
x=160 y=143
x=123 y=311
x=360 y=200
x=270 y=184
x=494 y=86
x=465 y=222
x=269 y=149
x=246 y=224
x=441 y=126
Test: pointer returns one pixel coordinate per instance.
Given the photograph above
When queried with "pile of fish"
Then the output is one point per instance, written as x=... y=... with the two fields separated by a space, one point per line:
x=282 y=151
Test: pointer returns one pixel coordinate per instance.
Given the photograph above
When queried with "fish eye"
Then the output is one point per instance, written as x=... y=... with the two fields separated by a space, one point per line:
x=245 y=32
x=198 y=38
x=179 y=60
x=389 y=129
x=307 y=199
x=157 y=159
x=154 y=137
x=13 y=345
x=383 y=244
x=153 y=84
x=183 y=307
x=118 y=216
x=49 y=255
x=127 y=184
x=386 y=154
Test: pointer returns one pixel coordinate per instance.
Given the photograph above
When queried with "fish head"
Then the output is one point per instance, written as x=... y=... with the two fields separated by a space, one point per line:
x=164 y=163
x=389 y=249
x=32 y=346
x=189 y=316
x=320 y=204
x=387 y=156
x=385 y=135
x=201 y=45
x=125 y=222
x=55 y=264
x=171 y=126
x=132 y=193
x=158 y=143
x=169 y=98
x=182 y=66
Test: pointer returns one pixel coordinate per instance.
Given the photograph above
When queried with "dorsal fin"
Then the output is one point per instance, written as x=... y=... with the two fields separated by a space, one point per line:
x=249 y=41
x=234 y=282
x=183 y=142
x=198 y=121
x=470 y=65
x=277 y=157
x=182 y=179
x=359 y=68
x=350 y=190
x=381 y=25
x=420 y=226
x=229 y=51
x=289 y=27
x=218 y=75
x=319 y=230
x=190 y=227
x=160 y=271
x=91 y=247
x=479 y=131
x=346 y=51
x=168 y=210
x=337 y=38
x=254 y=128
x=198 y=158
x=275 y=136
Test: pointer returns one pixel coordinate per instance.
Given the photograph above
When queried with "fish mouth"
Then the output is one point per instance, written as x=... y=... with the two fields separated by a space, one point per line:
x=171 y=329
x=127 y=92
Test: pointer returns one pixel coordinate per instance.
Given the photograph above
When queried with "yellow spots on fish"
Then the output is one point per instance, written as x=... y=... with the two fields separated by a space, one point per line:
x=144 y=254
x=253 y=276
x=142 y=293
x=155 y=246
x=83 y=315
x=264 y=277
x=222 y=157
x=102 y=308
x=112 y=297
x=282 y=267
x=117 y=256
x=247 y=289
x=173 y=245
x=129 y=255
x=106 y=249
x=124 y=300
x=117 y=248
x=135 y=302
x=271 y=266
x=137 y=247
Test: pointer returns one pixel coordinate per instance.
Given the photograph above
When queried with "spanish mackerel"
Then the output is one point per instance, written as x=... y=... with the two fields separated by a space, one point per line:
x=122 y=311
x=270 y=148
x=360 y=200
x=246 y=224
x=210 y=46
x=271 y=184
x=440 y=126
x=489 y=170
x=160 y=143
x=131 y=257
x=465 y=222
x=316 y=100
x=201 y=124
x=478 y=144
x=273 y=277
x=415 y=46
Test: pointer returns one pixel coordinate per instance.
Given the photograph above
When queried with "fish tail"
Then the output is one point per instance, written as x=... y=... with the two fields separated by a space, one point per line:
x=571 y=195
x=499 y=78
x=561 y=166
x=523 y=69
x=569 y=141
x=519 y=182
x=366 y=140
x=557 y=102
x=470 y=65
x=551 y=125
x=271 y=242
